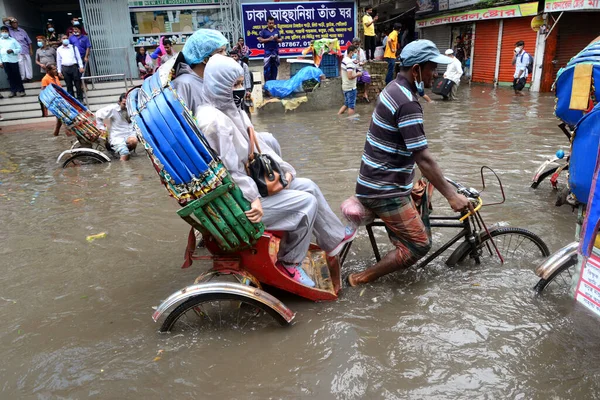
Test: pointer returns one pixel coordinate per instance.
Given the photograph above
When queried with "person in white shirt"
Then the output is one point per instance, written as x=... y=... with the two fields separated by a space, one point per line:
x=360 y=61
x=521 y=62
x=67 y=61
x=349 y=75
x=453 y=73
x=121 y=134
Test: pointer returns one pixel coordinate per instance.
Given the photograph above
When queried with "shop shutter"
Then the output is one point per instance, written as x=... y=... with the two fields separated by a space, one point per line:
x=575 y=31
x=440 y=35
x=485 y=51
x=515 y=29
x=108 y=24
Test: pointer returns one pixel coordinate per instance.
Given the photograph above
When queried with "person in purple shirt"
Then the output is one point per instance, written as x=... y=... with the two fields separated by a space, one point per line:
x=270 y=38
x=82 y=43
x=24 y=41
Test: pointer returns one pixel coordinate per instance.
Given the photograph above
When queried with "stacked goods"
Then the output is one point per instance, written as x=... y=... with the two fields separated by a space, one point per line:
x=71 y=112
x=190 y=170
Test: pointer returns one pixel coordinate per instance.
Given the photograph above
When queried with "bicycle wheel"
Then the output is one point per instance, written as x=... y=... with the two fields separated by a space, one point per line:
x=559 y=282
x=519 y=248
x=83 y=159
x=218 y=311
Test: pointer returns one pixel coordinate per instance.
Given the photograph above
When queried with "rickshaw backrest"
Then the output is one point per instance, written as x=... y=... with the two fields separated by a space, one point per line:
x=189 y=169
x=71 y=112
x=584 y=154
x=577 y=85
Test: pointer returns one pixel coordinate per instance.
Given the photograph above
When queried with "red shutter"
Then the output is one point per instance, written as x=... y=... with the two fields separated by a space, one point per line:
x=484 y=53
x=575 y=31
x=515 y=29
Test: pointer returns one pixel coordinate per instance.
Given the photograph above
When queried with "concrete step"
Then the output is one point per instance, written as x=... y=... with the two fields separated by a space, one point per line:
x=28 y=121
x=36 y=112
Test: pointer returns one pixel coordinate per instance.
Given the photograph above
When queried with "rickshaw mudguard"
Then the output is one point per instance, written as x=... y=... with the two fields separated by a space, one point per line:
x=556 y=260
x=82 y=150
x=249 y=292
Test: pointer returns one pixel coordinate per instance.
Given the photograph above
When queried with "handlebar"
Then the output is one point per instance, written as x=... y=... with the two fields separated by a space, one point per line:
x=470 y=213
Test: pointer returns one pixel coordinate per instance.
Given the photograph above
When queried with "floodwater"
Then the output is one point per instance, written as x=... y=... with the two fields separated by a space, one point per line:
x=77 y=315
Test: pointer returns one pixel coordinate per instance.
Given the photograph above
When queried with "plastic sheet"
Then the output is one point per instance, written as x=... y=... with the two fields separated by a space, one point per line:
x=285 y=88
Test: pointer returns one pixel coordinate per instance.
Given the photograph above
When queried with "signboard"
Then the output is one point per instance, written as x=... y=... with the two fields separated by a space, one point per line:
x=512 y=11
x=588 y=288
x=431 y=6
x=168 y=3
x=569 y=5
x=298 y=24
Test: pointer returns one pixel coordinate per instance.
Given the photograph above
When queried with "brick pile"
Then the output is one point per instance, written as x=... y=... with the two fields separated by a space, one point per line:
x=378 y=71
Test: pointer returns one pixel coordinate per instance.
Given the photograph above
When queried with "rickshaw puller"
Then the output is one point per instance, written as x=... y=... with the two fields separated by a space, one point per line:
x=395 y=141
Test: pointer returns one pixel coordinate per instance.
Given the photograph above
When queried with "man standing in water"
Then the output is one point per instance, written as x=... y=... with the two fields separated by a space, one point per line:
x=521 y=61
x=270 y=38
x=395 y=141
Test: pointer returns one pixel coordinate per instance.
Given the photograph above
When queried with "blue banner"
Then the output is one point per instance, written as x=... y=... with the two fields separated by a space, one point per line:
x=299 y=23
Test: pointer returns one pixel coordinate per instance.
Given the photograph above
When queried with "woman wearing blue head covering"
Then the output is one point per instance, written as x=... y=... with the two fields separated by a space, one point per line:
x=190 y=64
x=189 y=71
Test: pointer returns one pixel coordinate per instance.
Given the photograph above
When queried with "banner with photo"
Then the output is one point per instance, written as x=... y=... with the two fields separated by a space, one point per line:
x=299 y=23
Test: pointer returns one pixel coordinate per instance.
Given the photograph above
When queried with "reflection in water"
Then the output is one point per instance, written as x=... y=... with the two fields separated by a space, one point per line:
x=77 y=314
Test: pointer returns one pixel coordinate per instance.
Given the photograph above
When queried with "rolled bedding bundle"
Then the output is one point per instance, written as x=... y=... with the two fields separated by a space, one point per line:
x=190 y=170
x=71 y=112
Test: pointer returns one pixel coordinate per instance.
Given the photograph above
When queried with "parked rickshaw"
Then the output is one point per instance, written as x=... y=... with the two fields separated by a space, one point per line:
x=91 y=145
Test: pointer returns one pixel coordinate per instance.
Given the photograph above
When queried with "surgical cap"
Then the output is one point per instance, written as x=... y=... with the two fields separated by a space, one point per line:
x=202 y=44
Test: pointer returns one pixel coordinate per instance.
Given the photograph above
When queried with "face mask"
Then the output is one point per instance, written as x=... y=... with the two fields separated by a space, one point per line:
x=420 y=85
x=50 y=29
x=76 y=33
x=238 y=97
x=65 y=42
x=354 y=56
x=76 y=23
x=40 y=44
x=4 y=35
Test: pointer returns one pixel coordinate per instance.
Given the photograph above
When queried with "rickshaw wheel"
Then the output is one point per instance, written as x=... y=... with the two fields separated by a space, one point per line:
x=216 y=311
x=83 y=159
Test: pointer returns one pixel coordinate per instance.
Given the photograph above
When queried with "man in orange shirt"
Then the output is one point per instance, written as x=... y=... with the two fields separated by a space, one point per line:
x=391 y=48
x=50 y=78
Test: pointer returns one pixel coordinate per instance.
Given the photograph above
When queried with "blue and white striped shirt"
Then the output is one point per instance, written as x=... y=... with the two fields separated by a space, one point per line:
x=395 y=133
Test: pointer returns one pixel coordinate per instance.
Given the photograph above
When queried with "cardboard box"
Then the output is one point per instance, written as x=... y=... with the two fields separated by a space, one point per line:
x=175 y=27
x=158 y=25
x=185 y=22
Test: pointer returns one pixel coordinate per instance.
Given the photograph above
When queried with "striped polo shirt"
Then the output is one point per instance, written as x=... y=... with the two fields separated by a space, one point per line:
x=396 y=131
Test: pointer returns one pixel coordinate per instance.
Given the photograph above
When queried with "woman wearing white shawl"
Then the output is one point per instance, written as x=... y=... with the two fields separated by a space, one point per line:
x=300 y=210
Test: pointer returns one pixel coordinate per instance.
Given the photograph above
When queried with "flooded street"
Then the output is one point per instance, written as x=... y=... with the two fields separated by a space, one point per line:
x=77 y=315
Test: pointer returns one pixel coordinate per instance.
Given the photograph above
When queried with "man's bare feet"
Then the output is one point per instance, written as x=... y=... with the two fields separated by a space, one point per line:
x=351 y=281
x=55 y=133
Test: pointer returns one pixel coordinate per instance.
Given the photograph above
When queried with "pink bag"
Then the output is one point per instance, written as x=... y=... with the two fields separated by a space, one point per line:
x=355 y=212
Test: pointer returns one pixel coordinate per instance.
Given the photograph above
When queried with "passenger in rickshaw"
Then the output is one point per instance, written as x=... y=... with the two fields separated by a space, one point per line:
x=189 y=71
x=300 y=210
x=121 y=135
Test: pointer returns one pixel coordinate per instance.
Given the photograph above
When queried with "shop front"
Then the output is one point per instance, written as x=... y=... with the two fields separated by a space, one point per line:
x=485 y=38
x=175 y=20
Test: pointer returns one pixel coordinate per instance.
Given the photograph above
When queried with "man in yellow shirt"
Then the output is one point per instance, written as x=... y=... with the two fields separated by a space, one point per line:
x=369 y=27
x=391 y=48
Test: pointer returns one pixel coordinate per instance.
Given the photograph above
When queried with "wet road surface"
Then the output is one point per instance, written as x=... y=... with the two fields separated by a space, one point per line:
x=76 y=315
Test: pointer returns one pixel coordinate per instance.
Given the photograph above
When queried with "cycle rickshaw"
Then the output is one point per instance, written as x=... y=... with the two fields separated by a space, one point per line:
x=91 y=144
x=245 y=253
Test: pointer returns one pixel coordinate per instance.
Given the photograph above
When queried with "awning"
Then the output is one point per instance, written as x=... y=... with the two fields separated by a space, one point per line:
x=511 y=11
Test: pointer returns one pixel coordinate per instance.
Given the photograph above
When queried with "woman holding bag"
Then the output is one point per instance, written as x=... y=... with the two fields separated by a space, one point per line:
x=298 y=208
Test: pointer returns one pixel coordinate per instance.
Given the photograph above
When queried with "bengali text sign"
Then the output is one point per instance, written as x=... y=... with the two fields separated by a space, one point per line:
x=298 y=24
